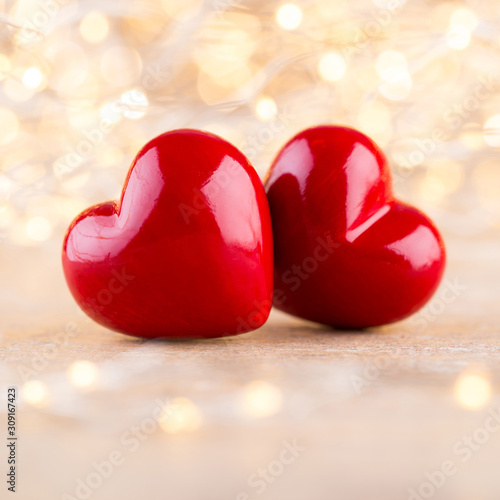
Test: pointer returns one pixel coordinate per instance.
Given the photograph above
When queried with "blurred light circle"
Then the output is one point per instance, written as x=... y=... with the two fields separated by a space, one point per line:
x=94 y=27
x=464 y=17
x=133 y=104
x=261 y=399
x=111 y=112
x=391 y=65
x=32 y=78
x=35 y=393
x=180 y=415
x=38 y=229
x=289 y=16
x=397 y=90
x=266 y=108
x=332 y=67
x=83 y=373
x=458 y=38
x=473 y=391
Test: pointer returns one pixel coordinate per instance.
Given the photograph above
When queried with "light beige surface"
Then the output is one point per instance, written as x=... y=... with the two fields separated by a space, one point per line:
x=374 y=411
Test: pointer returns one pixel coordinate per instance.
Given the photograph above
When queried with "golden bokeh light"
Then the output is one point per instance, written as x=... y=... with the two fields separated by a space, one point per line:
x=266 y=108
x=180 y=415
x=33 y=78
x=35 y=393
x=397 y=90
x=464 y=17
x=458 y=37
x=261 y=399
x=391 y=65
x=94 y=27
x=38 y=229
x=332 y=67
x=111 y=112
x=473 y=390
x=289 y=16
x=133 y=104
x=83 y=374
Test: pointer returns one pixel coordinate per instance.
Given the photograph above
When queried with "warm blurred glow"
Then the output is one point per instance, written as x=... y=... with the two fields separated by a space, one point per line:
x=121 y=66
x=94 y=27
x=266 y=108
x=332 y=67
x=32 y=78
x=133 y=104
x=9 y=126
x=35 y=393
x=4 y=66
x=38 y=229
x=213 y=90
x=441 y=179
x=389 y=4
x=486 y=182
x=289 y=16
x=375 y=120
x=83 y=373
x=69 y=66
x=223 y=54
x=458 y=38
x=176 y=8
x=16 y=91
x=180 y=415
x=473 y=391
x=261 y=399
x=111 y=156
x=391 y=65
x=111 y=112
x=397 y=90
x=492 y=131
x=5 y=188
x=464 y=17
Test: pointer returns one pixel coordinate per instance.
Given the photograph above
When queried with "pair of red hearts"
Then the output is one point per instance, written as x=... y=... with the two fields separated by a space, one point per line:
x=188 y=250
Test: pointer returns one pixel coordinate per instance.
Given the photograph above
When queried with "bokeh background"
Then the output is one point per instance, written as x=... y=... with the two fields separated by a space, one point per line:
x=84 y=84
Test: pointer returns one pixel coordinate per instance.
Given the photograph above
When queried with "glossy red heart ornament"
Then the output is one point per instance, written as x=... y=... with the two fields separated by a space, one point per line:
x=347 y=253
x=186 y=253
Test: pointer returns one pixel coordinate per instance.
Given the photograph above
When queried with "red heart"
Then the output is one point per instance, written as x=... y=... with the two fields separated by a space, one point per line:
x=347 y=253
x=186 y=253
